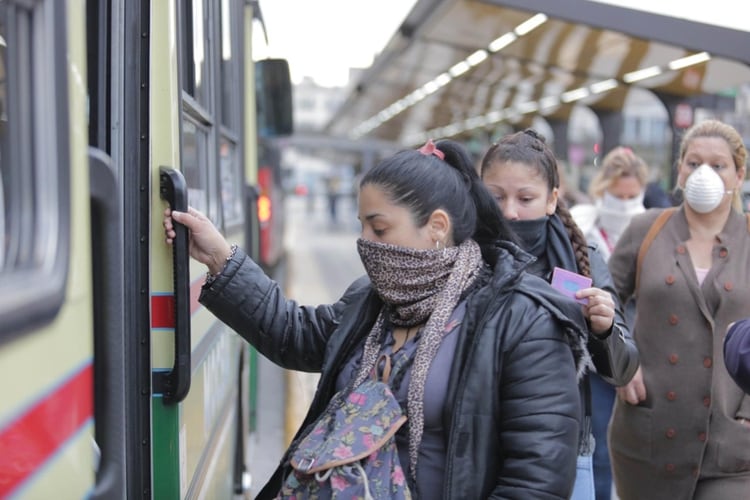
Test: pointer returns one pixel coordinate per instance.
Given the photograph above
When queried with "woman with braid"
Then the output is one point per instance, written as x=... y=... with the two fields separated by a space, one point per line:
x=521 y=172
x=492 y=354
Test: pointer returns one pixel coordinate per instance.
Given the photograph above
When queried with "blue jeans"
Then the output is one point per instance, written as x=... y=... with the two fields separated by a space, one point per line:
x=602 y=401
x=584 y=485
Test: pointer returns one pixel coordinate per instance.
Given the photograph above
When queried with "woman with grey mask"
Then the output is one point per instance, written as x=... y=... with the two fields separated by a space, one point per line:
x=680 y=427
x=492 y=353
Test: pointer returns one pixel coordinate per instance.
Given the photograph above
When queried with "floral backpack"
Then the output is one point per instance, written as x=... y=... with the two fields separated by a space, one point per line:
x=351 y=453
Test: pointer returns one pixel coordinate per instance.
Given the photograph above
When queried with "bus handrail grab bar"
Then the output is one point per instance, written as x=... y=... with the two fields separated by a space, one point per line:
x=110 y=391
x=176 y=383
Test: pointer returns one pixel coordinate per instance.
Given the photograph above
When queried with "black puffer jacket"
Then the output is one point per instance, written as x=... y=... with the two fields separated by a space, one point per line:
x=512 y=410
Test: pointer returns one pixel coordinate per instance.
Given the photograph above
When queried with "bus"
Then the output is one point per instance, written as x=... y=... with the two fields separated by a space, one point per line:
x=114 y=381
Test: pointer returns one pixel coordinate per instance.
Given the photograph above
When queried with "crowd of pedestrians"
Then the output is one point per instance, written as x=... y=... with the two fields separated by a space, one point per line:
x=512 y=384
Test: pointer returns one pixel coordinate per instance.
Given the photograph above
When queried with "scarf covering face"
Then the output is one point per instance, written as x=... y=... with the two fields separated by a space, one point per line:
x=407 y=278
x=416 y=286
x=548 y=240
x=615 y=214
x=532 y=233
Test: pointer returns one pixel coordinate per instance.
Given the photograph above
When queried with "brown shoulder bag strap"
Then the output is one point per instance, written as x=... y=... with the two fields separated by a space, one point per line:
x=650 y=235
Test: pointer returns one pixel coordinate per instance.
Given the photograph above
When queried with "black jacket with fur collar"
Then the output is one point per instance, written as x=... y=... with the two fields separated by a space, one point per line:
x=512 y=411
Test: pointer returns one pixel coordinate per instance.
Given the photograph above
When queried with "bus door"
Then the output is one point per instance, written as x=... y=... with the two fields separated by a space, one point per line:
x=47 y=440
x=195 y=131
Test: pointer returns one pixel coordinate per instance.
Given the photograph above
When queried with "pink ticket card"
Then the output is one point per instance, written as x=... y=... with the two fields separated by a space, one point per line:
x=568 y=283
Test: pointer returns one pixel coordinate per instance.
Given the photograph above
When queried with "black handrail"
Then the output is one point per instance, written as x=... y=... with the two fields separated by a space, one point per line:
x=110 y=389
x=175 y=384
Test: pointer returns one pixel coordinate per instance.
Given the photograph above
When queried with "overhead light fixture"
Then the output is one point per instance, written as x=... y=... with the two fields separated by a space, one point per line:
x=684 y=62
x=475 y=122
x=477 y=57
x=574 y=95
x=549 y=101
x=430 y=88
x=642 y=74
x=530 y=24
x=527 y=107
x=603 y=86
x=459 y=69
x=442 y=79
x=494 y=116
x=502 y=42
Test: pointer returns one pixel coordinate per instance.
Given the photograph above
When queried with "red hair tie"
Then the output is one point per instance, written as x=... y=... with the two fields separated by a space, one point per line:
x=429 y=148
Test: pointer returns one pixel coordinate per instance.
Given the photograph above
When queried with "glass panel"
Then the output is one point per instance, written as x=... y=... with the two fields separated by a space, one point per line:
x=195 y=164
x=231 y=183
x=19 y=203
x=199 y=53
x=4 y=160
x=34 y=165
x=230 y=92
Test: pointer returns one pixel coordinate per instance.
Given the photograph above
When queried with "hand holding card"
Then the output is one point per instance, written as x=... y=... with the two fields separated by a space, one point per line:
x=568 y=283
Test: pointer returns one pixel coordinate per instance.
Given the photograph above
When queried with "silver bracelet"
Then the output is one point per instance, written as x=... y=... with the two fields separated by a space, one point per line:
x=210 y=278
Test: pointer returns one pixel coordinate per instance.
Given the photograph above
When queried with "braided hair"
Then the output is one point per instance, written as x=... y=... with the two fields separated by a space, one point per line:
x=529 y=147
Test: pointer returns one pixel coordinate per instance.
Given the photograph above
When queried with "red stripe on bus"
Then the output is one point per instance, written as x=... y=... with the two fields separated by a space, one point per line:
x=162 y=311
x=163 y=308
x=29 y=441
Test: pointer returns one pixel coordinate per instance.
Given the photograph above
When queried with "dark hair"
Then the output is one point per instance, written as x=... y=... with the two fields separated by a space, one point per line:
x=530 y=148
x=424 y=183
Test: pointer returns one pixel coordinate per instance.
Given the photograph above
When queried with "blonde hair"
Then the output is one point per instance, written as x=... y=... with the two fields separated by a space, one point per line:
x=620 y=162
x=715 y=128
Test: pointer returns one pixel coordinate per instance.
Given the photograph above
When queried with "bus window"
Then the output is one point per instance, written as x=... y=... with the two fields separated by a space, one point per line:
x=231 y=189
x=33 y=146
x=230 y=68
x=231 y=178
x=198 y=158
x=195 y=56
x=3 y=139
x=194 y=161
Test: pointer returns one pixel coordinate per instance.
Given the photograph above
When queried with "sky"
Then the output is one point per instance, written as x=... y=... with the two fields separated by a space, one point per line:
x=322 y=39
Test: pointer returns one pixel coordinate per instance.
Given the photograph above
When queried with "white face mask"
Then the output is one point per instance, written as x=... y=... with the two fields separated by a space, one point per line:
x=704 y=189
x=615 y=214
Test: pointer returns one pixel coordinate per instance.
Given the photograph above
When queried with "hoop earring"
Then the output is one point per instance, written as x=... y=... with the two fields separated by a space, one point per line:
x=437 y=244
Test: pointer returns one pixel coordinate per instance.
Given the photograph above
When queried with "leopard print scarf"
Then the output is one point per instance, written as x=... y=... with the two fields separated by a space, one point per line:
x=417 y=286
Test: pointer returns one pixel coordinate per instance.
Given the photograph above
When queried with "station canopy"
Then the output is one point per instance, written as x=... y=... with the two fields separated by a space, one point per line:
x=455 y=66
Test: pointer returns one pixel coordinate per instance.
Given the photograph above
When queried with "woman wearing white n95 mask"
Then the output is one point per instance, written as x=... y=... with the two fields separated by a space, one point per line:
x=680 y=426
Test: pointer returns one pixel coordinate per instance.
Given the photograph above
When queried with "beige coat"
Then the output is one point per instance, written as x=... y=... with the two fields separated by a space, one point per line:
x=686 y=428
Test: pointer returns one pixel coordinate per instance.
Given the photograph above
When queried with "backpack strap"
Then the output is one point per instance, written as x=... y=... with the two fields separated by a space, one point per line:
x=386 y=361
x=650 y=235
